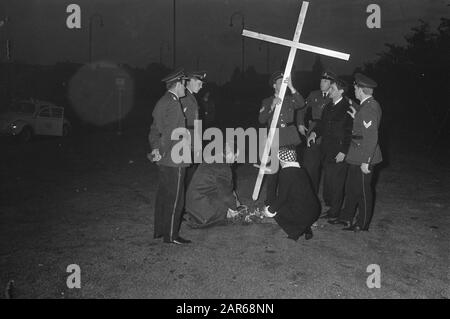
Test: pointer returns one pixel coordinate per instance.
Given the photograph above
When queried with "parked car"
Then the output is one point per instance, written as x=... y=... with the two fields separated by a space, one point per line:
x=26 y=118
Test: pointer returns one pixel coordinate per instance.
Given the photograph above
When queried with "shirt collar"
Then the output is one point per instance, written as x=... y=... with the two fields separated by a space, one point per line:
x=365 y=99
x=292 y=164
x=189 y=91
x=174 y=94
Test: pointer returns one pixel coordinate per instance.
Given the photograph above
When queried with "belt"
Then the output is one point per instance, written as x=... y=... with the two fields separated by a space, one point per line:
x=357 y=137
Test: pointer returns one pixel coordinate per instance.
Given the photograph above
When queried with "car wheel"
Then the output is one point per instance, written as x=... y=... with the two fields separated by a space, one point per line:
x=66 y=130
x=26 y=134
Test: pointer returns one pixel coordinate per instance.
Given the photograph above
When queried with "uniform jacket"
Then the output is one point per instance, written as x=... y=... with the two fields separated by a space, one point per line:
x=316 y=102
x=287 y=124
x=364 y=147
x=335 y=128
x=191 y=112
x=209 y=111
x=167 y=116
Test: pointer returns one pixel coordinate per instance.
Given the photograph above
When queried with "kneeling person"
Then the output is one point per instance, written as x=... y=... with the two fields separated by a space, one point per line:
x=296 y=206
x=210 y=194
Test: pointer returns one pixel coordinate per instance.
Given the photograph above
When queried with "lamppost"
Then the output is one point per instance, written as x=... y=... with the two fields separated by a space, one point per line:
x=6 y=82
x=243 y=38
x=267 y=56
x=174 y=35
x=7 y=51
x=91 y=19
x=161 y=48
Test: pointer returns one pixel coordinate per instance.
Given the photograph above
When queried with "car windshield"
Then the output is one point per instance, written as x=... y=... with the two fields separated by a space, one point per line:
x=22 y=107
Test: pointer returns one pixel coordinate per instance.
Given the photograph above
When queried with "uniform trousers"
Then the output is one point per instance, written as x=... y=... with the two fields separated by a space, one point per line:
x=169 y=202
x=358 y=194
x=311 y=162
x=334 y=185
x=272 y=187
x=190 y=170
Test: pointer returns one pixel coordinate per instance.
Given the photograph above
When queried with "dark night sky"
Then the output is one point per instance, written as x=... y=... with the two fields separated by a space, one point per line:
x=134 y=31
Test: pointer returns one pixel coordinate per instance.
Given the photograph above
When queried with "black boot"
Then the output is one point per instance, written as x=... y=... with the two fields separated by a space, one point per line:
x=308 y=233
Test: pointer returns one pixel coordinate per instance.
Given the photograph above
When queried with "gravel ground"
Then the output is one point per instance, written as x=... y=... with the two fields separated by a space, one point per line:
x=88 y=200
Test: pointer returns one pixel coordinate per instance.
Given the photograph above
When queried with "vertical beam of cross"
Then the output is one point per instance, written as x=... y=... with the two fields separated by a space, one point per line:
x=276 y=114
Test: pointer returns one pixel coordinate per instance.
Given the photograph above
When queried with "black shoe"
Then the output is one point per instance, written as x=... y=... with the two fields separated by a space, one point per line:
x=181 y=240
x=337 y=221
x=167 y=241
x=308 y=234
x=177 y=241
x=327 y=215
x=354 y=228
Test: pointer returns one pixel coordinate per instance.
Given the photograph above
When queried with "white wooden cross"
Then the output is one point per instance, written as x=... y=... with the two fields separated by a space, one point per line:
x=294 y=45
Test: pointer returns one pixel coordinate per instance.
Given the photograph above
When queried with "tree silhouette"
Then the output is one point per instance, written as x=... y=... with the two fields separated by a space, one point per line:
x=414 y=79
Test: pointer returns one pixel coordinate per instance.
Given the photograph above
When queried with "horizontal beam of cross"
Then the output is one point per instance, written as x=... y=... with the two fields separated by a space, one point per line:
x=297 y=45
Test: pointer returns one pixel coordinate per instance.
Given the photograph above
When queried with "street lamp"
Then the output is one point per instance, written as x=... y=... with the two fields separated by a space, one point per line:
x=174 y=35
x=161 y=48
x=267 y=56
x=243 y=38
x=91 y=19
x=3 y=23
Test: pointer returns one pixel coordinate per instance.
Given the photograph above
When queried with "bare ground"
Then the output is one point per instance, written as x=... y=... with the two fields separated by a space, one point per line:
x=89 y=201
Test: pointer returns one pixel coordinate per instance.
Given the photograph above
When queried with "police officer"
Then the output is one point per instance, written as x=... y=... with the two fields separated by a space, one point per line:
x=335 y=128
x=191 y=112
x=287 y=124
x=315 y=101
x=168 y=116
x=363 y=154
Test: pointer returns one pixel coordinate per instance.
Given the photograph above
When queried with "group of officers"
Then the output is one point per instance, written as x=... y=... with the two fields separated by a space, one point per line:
x=341 y=143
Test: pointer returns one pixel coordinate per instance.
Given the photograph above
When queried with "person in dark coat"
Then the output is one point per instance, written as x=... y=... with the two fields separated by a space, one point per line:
x=208 y=110
x=190 y=106
x=296 y=206
x=315 y=102
x=335 y=129
x=210 y=197
x=364 y=153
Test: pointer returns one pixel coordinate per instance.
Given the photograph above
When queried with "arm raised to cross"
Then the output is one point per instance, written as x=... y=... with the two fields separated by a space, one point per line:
x=294 y=45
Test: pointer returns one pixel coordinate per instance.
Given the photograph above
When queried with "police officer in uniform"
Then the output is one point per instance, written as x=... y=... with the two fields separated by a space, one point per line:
x=335 y=128
x=191 y=111
x=167 y=116
x=364 y=153
x=315 y=101
x=287 y=124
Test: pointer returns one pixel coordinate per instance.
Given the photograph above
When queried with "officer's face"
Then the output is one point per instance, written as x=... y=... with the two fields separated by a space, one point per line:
x=195 y=85
x=277 y=85
x=181 y=89
x=335 y=93
x=357 y=92
x=325 y=85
